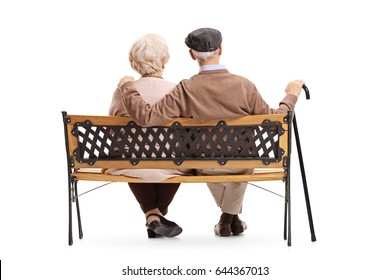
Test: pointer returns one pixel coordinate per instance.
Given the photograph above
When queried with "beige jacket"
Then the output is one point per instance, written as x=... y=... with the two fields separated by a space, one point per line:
x=208 y=95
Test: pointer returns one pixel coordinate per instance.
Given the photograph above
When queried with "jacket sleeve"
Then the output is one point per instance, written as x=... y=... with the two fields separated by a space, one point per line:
x=116 y=107
x=261 y=107
x=143 y=113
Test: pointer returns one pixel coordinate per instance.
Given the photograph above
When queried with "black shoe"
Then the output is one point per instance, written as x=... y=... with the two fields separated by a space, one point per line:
x=238 y=226
x=152 y=234
x=163 y=227
x=223 y=229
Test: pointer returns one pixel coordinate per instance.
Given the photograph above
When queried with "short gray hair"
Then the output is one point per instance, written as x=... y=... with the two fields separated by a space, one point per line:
x=203 y=56
x=149 y=54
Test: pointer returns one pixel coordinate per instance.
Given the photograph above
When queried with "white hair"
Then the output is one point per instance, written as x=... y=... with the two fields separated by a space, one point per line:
x=203 y=56
x=149 y=54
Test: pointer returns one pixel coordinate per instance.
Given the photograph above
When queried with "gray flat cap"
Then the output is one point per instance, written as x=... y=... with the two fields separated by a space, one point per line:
x=204 y=39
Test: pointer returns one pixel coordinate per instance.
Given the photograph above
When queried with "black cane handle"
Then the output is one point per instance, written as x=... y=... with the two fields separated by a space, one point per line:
x=306 y=91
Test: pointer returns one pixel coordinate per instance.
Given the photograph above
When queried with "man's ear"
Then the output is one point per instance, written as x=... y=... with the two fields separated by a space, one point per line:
x=220 y=50
x=192 y=55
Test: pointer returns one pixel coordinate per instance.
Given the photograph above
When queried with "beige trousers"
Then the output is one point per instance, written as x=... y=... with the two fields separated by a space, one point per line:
x=229 y=196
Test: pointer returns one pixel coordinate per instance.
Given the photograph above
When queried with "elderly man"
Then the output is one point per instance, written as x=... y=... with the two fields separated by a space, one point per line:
x=211 y=94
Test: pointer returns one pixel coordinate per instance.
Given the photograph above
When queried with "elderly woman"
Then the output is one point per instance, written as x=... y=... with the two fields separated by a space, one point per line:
x=148 y=56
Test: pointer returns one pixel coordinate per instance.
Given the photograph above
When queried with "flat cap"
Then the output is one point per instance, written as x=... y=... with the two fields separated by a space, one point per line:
x=204 y=40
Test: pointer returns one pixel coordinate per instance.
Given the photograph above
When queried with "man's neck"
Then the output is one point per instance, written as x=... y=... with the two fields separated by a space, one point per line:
x=211 y=61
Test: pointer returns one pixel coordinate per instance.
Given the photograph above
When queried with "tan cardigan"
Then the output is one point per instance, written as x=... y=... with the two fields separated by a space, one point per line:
x=152 y=90
x=208 y=95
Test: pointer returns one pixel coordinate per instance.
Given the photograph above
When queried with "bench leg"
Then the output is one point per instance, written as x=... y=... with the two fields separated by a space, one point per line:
x=287 y=213
x=78 y=211
x=73 y=197
x=285 y=219
x=70 y=234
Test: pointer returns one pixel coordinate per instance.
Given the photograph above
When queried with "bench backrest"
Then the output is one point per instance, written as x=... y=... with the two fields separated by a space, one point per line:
x=257 y=141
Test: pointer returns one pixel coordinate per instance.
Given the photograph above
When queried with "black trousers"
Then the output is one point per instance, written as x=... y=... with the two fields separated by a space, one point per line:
x=154 y=195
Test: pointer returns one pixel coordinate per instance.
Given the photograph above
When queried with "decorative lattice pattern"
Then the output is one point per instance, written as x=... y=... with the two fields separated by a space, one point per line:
x=178 y=143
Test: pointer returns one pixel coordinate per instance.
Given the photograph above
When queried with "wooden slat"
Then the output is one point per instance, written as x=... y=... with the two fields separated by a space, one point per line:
x=266 y=176
x=72 y=145
x=283 y=140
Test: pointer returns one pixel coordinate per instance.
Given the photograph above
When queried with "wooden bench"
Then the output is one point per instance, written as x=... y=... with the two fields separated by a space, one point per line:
x=259 y=142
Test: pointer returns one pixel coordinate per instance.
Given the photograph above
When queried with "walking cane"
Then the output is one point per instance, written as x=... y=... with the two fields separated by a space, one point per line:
x=302 y=167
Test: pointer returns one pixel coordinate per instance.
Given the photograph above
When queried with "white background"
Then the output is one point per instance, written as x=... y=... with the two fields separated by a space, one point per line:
x=70 y=55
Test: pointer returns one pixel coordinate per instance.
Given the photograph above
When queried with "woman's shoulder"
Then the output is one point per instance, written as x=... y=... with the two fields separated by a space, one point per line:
x=150 y=81
x=152 y=89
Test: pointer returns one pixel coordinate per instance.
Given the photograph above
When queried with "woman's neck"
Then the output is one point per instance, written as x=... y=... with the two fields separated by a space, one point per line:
x=154 y=75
